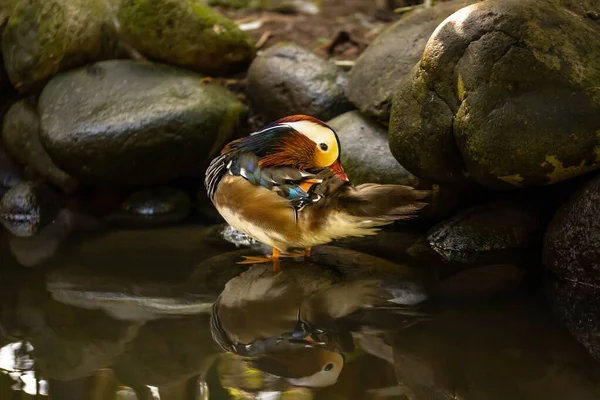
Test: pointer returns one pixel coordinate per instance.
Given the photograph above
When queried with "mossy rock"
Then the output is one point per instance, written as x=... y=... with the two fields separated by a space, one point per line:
x=366 y=155
x=380 y=68
x=287 y=79
x=43 y=37
x=186 y=33
x=21 y=135
x=504 y=95
x=135 y=123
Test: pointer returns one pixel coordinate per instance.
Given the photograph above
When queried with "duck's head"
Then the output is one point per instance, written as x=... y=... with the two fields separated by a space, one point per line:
x=299 y=141
x=305 y=367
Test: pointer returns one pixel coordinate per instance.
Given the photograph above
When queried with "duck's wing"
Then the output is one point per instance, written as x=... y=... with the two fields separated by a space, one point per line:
x=370 y=201
x=295 y=185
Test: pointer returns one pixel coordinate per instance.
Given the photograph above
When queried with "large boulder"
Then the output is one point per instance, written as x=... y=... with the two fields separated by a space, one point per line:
x=287 y=79
x=127 y=122
x=380 y=68
x=186 y=33
x=506 y=92
x=20 y=133
x=572 y=245
x=43 y=37
x=366 y=154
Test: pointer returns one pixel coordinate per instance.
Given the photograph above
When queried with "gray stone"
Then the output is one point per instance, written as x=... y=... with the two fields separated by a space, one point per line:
x=10 y=173
x=287 y=79
x=28 y=207
x=497 y=226
x=572 y=245
x=504 y=97
x=186 y=33
x=366 y=154
x=153 y=207
x=20 y=133
x=134 y=123
x=42 y=38
x=380 y=68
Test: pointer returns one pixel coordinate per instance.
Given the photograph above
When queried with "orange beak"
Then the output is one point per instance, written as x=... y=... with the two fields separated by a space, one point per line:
x=337 y=169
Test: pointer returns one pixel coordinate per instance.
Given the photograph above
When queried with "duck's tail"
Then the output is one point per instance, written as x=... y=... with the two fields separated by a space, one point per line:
x=358 y=210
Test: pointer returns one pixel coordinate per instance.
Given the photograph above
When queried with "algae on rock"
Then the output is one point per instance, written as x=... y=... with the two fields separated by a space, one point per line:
x=505 y=95
x=43 y=37
x=186 y=33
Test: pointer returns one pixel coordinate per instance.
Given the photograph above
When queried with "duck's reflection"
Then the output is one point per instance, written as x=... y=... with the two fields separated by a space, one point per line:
x=297 y=325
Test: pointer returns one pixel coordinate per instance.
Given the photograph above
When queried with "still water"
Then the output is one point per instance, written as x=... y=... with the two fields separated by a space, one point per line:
x=168 y=314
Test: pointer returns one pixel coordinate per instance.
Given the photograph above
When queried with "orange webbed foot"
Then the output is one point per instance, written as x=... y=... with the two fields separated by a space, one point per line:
x=274 y=258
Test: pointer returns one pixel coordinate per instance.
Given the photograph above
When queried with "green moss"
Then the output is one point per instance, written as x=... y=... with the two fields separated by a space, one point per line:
x=185 y=33
x=237 y=4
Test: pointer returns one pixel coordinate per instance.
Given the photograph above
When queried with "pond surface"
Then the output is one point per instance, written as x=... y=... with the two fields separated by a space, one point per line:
x=167 y=313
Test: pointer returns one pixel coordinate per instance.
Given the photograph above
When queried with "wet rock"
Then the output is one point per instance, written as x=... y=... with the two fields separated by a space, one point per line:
x=503 y=95
x=287 y=79
x=42 y=38
x=186 y=33
x=366 y=154
x=135 y=123
x=378 y=71
x=501 y=225
x=482 y=282
x=21 y=135
x=10 y=173
x=577 y=305
x=28 y=207
x=153 y=207
x=572 y=244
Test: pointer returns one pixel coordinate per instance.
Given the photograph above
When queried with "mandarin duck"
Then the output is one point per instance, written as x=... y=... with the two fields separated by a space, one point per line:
x=285 y=187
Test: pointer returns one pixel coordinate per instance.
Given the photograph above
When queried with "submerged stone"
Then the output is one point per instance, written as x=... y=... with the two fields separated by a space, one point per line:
x=135 y=123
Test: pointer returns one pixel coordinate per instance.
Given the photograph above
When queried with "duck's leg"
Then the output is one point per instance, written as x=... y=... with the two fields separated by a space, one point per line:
x=308 y=252
x=261 y=260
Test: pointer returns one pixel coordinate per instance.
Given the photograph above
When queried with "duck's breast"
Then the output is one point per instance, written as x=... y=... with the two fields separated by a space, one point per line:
x=257 y=212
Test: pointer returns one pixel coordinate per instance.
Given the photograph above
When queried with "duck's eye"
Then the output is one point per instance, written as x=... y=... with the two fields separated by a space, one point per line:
x=323 y=146
x=329 y=366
